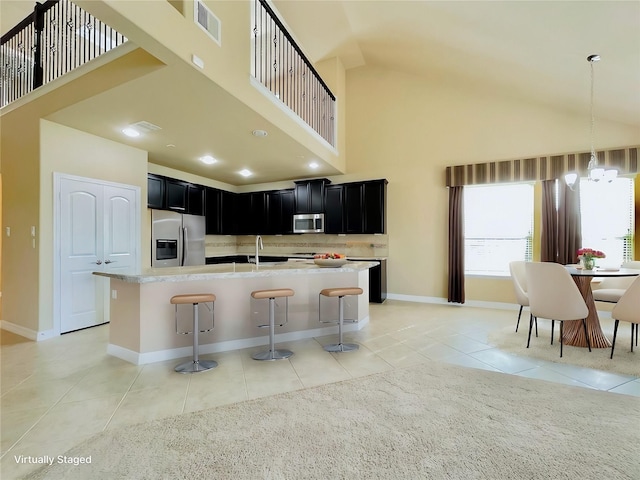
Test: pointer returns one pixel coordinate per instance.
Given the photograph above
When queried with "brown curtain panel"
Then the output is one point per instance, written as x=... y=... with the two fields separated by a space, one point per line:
x=561 y=235
x=549 y=228
x=456 y=245
x=569 y=223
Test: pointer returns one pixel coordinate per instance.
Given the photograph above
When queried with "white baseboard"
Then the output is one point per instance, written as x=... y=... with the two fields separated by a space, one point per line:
x=470 y=303
x=27 y=332
x=182 y=352
x=443 y=301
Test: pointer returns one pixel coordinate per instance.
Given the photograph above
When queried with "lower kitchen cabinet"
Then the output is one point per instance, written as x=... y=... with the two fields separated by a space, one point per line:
x=378 y=282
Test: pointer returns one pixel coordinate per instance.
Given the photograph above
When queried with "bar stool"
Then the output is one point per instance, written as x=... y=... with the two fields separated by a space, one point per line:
x=195 y=365
x=272 y=353
x=340 y=293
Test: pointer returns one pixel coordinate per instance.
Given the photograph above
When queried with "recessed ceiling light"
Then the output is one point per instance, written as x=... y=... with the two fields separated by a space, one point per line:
x=208 y=160
x=131 y=132
x=170 y=145
x=259 y=133
x=313 y=165
x=245 y=173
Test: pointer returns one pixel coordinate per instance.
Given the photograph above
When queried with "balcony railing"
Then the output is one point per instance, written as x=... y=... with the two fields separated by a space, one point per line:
x=54 y=39
x=280 y=65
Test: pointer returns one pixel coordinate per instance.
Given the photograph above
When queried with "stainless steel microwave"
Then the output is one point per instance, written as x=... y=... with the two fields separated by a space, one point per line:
x=308 y=223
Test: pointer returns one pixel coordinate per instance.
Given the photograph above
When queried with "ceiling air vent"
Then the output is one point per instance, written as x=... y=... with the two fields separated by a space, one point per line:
x=145 y=127
x=207 y=20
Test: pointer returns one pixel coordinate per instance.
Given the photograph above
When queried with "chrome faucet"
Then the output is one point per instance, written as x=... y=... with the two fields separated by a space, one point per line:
x=258 y=247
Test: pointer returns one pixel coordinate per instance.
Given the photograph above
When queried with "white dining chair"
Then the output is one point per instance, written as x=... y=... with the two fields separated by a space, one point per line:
x=519 y=280
x=628 y=310
x=553 y=294
x=611 y=289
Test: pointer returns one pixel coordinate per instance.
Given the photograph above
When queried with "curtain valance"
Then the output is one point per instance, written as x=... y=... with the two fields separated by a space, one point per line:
x=625 y=159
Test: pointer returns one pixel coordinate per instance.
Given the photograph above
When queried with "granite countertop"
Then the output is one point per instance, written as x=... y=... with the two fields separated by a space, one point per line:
x=234 y=270
x=292 y=255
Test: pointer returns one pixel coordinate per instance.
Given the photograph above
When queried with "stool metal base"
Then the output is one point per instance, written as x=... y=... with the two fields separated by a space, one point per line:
x=272 y=355
x=196 y=366
x=341 y=347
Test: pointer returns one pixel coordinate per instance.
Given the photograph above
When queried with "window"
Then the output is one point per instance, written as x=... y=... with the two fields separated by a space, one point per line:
x=607 y=211
x=498 y=227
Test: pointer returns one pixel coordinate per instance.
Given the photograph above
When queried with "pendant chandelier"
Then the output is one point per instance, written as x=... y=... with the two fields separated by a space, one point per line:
x=595 y=172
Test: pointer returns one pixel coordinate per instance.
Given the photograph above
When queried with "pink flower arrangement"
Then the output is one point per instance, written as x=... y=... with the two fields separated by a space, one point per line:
x=589 y=253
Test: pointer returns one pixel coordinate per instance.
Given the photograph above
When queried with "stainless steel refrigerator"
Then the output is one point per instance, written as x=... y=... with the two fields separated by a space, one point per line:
x=176 y=239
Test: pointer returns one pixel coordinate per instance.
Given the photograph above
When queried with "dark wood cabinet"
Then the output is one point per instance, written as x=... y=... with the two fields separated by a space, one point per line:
x=164 y=193
x=378 y=282
x=354 y=208
x=353 y=214
x=374 y=201
x=334 y=209
x=280 y=207
x=227 y=213
x=364 y=207
x=220 y=213
x=176 y=195
x=212 y=211
x=155 y=191
x=310 y=195
x=258 y=220
x=195 y=199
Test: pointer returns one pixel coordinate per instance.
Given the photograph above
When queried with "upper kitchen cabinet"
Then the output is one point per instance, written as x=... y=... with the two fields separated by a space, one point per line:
x=365 y=206
x=220 y=209
x=164 y=193
x=195 y=199
x=176 y=195
x=155 y=191
x=212 y=212
x=334 y=209
x=374 y=198
x=228 y=218
x=281 y=207
x=309 y=195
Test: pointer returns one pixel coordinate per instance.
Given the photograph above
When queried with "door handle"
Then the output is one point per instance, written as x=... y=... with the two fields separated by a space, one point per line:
x=99 y=262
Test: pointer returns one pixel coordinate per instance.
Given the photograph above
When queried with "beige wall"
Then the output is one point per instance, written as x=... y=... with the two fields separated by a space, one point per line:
x=407 y=129
x=20 y=210
x=70 y=151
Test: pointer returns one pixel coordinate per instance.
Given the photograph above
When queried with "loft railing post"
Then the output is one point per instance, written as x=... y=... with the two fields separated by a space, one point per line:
x=38 y=71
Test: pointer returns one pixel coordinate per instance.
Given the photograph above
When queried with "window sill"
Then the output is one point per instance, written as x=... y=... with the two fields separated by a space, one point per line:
x=488 y=275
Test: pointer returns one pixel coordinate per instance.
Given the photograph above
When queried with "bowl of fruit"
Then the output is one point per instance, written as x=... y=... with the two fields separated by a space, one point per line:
x=330 y=260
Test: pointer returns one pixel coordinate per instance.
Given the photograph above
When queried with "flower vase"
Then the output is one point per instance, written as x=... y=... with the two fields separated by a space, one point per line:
x=588 y=263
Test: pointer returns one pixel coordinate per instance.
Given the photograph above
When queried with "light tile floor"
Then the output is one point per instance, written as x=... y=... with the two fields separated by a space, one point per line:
x=59 y=392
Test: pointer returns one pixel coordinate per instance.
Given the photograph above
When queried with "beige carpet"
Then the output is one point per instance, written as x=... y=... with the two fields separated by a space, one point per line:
x=624 y=361
x=430 y=421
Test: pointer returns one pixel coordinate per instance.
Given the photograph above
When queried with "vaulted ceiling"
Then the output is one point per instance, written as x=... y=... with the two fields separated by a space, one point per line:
x=534 y=50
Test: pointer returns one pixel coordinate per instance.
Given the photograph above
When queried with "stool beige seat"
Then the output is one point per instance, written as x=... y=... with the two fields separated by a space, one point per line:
x=340 y=293
x=195 y=365
x=272 y=353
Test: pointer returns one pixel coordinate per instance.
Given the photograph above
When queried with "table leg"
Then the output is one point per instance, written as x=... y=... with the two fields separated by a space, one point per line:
x=574 y=331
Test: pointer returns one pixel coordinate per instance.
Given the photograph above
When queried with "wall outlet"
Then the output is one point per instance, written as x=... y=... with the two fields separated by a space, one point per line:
x=8 y=229
x=114 y=294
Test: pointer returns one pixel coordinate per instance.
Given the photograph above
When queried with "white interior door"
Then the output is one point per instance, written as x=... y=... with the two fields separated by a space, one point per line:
x=98 y=232
x=120 y=242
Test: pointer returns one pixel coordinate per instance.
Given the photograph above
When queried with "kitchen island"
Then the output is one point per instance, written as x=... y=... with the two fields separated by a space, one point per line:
x=142 y=322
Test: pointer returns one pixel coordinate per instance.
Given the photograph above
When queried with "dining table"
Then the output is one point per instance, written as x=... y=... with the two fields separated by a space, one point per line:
x=573 y=331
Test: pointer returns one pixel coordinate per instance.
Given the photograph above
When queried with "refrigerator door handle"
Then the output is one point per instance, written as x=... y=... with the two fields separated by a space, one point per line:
x=184 y=246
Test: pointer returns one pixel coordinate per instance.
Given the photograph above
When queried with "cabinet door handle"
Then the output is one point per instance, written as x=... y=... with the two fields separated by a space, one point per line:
x=99 y=262
x=109 y=261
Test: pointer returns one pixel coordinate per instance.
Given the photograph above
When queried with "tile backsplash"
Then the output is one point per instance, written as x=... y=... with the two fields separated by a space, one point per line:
x=351 y=245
